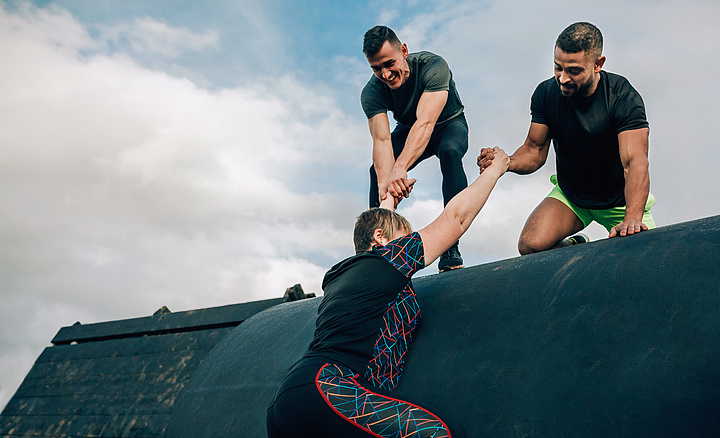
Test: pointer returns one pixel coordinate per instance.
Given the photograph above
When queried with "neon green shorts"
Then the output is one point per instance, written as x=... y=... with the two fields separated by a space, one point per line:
x=608 y=217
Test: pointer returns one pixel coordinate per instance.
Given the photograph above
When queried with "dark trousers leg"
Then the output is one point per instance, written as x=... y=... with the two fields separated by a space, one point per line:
x=448 y=142
x=451 y=146
x=273 y=431
x=302 y=413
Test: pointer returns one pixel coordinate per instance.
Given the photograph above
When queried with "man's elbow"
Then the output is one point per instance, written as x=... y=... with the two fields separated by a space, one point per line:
x=381 y=139
x=540 y=160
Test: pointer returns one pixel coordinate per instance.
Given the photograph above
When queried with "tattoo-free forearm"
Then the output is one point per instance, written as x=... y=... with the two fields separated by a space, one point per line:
x=533 y=153
x=637 y=188
x=383 y=161
x=526 y=160
x=415 y=145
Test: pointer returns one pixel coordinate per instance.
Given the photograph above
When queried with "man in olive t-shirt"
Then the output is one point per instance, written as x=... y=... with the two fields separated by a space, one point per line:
x=419 y=90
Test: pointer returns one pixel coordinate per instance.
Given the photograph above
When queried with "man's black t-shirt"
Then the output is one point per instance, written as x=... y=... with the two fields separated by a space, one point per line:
x=428 y=73
x=585 y=136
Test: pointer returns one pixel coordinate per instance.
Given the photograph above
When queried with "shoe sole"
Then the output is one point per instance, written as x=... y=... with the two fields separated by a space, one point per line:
x=452 y=268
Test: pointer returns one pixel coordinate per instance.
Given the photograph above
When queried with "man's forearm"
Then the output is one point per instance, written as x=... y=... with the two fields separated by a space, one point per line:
x=534 y=151
x=383 y=161
x=637 y=189
x=526 y=160
x=417 y=141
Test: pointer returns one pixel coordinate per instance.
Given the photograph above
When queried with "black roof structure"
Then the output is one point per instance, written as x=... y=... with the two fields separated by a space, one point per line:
x=119 y=378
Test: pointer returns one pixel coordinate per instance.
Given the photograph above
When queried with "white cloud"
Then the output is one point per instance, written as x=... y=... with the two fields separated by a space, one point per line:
x=124 y=189
x=51 y=26
x=154 y=37
x=146 y=36
x=386 y=17
x=109 y=145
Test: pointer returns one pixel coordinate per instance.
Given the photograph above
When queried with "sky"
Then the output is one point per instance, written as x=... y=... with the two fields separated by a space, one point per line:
x=197 y=154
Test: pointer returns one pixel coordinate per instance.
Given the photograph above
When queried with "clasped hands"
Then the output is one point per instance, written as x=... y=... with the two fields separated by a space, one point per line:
x=400 y=185
x=398 y=188
x=486 y=157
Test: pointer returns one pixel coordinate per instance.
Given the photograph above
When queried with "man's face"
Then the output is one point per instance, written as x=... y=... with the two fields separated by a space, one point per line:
x=577 y=74
x=390 y=65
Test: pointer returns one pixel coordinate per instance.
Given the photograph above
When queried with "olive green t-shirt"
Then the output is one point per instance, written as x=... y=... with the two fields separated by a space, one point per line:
x=428 y=72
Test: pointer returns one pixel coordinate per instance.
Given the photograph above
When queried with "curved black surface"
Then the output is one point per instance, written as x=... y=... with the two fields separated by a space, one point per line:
x=619 y=337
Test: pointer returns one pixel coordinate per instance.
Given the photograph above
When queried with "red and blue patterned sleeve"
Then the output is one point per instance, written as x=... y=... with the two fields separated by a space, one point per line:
x=406 y=254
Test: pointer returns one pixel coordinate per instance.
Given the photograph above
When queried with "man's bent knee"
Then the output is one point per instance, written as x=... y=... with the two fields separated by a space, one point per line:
x=524 y=248
x=529 y=244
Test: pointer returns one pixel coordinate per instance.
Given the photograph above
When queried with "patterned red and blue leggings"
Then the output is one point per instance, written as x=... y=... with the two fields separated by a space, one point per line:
x=338 y=403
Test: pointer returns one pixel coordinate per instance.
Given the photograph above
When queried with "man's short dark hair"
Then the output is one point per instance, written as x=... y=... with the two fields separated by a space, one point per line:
x=581 y=37
x=376 y=37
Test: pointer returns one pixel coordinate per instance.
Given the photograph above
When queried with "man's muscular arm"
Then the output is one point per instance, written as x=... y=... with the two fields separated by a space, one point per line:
x=527 y=158
x=429 y=108
x=382 y=153
x=634 y=157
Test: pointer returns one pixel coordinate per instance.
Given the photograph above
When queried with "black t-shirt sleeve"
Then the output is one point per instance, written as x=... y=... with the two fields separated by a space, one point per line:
x=629 y=111
x=374 y=99
x=537 y=104
x=436 y=75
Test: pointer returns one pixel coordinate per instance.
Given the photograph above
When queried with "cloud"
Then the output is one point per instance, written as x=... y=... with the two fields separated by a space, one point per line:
x=124 y=189
x=101 y=147
x=147 y=36
x=51 y=26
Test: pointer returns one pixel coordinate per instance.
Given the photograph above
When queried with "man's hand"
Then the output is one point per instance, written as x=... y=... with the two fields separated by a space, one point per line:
x=499 y=160
x=386 y=195
x=485 y=159
x=627 y=227
x=399 y=185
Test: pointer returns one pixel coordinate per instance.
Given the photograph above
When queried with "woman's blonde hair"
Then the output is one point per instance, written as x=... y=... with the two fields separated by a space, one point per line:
x=386 y=220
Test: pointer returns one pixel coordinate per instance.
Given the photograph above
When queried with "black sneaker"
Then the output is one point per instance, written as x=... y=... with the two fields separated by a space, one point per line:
x=451 y=259
x=574 y=240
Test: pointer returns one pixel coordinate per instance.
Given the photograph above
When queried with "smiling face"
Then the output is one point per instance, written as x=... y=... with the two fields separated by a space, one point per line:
x=390 y=65
x=577 y=74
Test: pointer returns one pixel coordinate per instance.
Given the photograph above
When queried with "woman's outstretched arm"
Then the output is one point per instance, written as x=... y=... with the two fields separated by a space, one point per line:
x=459 y=213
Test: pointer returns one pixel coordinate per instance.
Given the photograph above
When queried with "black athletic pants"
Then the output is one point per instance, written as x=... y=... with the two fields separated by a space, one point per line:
x=448 y=142
x=319 y=399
